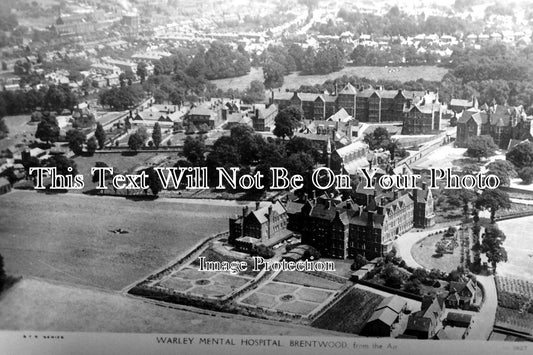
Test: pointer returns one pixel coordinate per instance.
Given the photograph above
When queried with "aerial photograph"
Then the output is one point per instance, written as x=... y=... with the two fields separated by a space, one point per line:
x=319 y=169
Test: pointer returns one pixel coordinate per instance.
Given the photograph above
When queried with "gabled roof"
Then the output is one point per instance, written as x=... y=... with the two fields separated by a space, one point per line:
x=385 y=315
x=340 y=116
x=418 y=324
x=293 y=207
x=442 y=335
x=200 y=111
x=349 y=89
x=461 y=103
x=459 y=317
x=394 y=302
x=262 y=213
x=460 y=286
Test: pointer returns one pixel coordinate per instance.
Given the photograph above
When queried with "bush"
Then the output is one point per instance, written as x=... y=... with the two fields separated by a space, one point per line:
x=394 y=281
x=311 y=254
x=359 y=262
x=526 y=174
x=263 y=251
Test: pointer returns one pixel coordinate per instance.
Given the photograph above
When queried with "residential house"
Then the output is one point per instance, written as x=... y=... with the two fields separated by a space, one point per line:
x=263 y=117
x=462 y=294
x=266 y=225
x=385 y=315
x=423 y=324
x=501 y=122
x=460 y=105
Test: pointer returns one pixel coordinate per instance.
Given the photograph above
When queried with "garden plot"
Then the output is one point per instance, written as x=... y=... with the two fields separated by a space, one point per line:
x=284 y=297
x=203 y=283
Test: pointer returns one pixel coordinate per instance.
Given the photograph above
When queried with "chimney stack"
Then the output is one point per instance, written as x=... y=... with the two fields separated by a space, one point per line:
x=244 y=211
x=370 y=218
x=257 y=205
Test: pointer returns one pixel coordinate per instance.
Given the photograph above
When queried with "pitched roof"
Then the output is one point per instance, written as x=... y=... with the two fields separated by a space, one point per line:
x=419 y=324
x=461 y=102
x=385 y=315
x=262 y=213
x=293 y=207
x=200 y=111
x=460 y=286
x=393 y=302
x=459 y=317
x=442 y=335
x=340 y=116
x=348 y=90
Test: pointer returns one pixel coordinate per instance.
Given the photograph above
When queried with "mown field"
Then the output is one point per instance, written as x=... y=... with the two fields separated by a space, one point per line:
x=67 y=237
x=294 y=80
x=44 y=306
x=350 y=313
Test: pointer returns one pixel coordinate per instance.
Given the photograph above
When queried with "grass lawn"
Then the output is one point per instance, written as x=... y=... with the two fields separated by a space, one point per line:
x=350 y=313
x=519 y=247
x=67 y=237
x=294 y=80
x=120 y=163
x=19 y=129
x=424 y=250
x=42 y=306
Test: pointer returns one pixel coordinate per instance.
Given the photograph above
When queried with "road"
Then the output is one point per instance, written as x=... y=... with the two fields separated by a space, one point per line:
x=405 y=243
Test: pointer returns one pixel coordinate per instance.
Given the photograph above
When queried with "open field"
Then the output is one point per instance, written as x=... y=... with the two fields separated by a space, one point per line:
x=19 y=129
x=120 y=163
x=66 y=237
x=424 y=250
x=350 y=313
x=294 y=80
x=43 y=306
x=519 y=246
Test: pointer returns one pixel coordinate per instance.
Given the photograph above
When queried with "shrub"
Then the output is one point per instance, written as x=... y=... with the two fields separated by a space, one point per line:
x=526 y=174
x=263 y=251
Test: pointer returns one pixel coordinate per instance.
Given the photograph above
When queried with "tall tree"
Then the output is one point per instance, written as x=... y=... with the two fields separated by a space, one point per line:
x=76 y=139
x=153 y=181
x=92 y=145
x=493 y=200
x=48 y=129
x=142 y=72
x=287 y=120
x=273 y=73
x=156 y=135
x=100 y=135
x=62 y=164
x=480 y=147
x=521 y=155
x=4 y=130
x=194 y=149
x=135 y=141
x=492 y=246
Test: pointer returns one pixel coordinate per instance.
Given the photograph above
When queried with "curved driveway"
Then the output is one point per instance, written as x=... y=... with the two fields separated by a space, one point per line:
x=482 y=321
